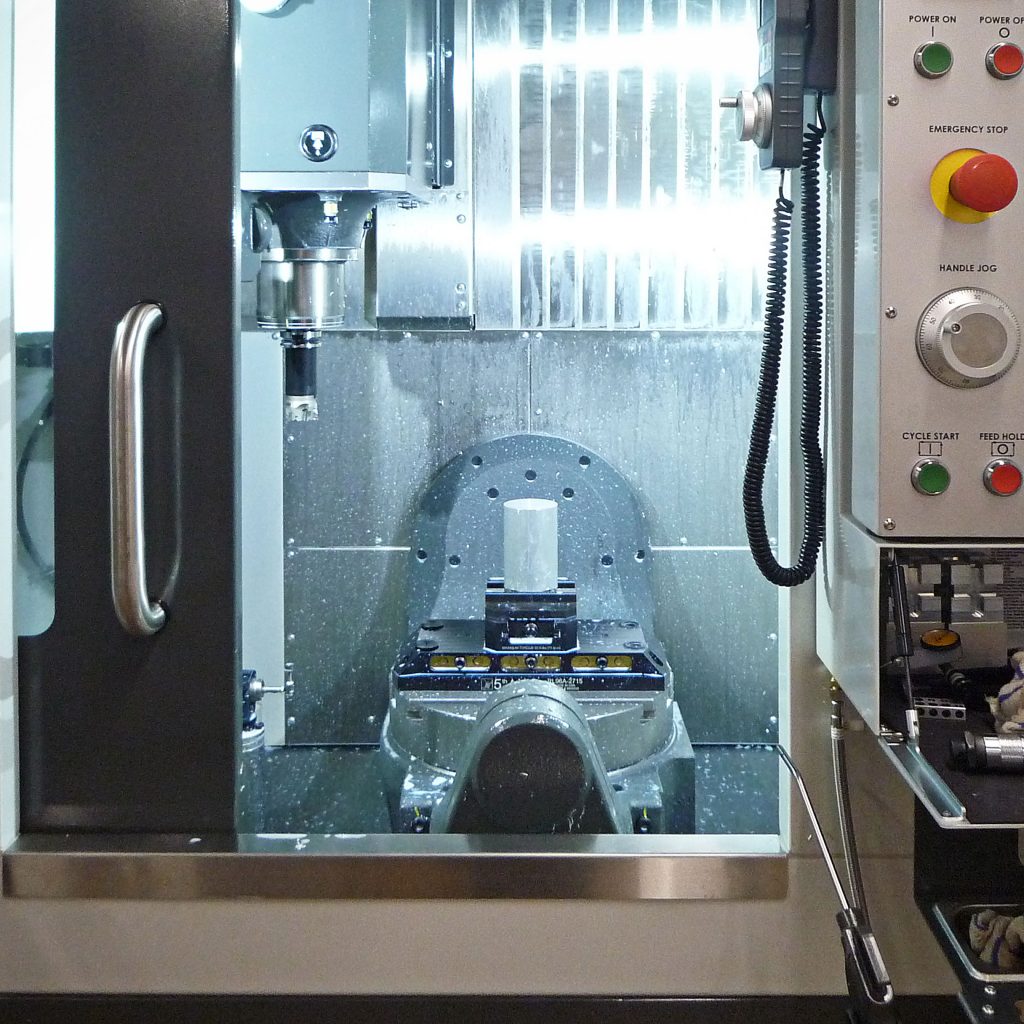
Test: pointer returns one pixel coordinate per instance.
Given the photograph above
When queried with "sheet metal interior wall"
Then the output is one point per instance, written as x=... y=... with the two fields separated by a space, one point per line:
x=618 y=244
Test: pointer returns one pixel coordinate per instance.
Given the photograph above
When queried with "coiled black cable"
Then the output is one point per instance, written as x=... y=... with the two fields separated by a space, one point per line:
x=768 y=382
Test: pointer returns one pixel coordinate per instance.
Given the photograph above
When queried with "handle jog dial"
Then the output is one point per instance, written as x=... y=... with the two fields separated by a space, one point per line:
x=968 y=338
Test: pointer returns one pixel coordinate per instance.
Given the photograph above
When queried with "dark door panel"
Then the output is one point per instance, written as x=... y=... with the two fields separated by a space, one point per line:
x=122 y=732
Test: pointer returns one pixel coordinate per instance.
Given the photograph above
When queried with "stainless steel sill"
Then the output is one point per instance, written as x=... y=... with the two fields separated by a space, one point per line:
x=395 y=867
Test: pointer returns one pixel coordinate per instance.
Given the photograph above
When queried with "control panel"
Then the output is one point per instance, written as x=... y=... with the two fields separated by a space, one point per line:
x=937 y=410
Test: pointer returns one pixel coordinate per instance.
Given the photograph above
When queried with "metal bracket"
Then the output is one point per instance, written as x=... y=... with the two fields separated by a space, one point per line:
x=442 y=94
x=926 y=784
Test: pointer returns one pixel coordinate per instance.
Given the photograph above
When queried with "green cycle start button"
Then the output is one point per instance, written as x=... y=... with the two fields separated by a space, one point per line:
x=930 y=477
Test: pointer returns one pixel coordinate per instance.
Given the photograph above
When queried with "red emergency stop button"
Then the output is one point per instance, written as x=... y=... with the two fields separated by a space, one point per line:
x=985 y=183
x=1005 y=60
x=1003 y=478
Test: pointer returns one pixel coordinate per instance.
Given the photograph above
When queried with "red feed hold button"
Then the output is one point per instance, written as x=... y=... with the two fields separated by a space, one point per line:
x=985 y=183
x=1003 y=478
x=1005 y=60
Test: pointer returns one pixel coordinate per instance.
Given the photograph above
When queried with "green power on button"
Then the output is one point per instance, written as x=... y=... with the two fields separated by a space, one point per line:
x=933 y=60
x=930 y=477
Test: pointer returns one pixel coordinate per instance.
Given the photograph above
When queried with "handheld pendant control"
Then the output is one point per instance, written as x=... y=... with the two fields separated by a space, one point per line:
x=798 y=42
x=968 y=338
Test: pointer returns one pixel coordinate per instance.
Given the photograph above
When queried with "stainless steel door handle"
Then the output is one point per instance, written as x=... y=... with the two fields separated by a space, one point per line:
x=139 y=615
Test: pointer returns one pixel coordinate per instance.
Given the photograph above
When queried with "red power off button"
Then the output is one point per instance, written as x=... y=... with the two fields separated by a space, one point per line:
x=1005 y=60
x=1003 y=478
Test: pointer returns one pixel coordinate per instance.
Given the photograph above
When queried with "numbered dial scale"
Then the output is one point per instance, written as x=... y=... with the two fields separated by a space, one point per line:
x=968 y=338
